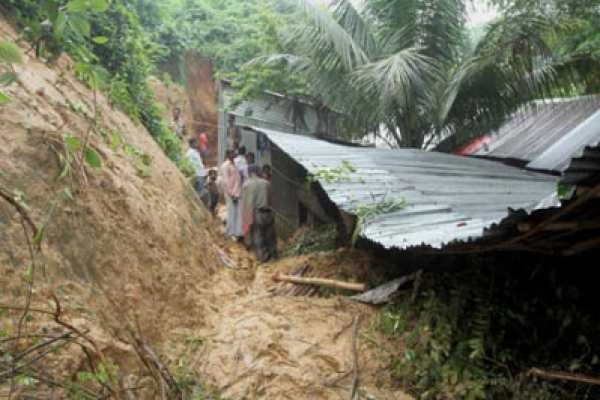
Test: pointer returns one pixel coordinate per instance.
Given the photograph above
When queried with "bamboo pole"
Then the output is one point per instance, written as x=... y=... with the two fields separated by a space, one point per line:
x=564 y=376
x=357 y=287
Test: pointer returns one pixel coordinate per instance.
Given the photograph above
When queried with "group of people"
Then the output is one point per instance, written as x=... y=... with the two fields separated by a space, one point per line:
x=250 y=219
x=246 y=189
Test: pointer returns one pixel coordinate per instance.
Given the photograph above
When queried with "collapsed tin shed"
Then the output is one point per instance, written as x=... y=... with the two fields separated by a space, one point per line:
x=447 y=198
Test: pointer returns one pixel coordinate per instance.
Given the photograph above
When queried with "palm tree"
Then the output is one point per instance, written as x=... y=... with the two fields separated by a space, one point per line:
x=407 y=70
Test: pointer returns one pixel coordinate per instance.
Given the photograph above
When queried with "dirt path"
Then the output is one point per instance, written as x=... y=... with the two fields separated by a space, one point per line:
x=256 y=344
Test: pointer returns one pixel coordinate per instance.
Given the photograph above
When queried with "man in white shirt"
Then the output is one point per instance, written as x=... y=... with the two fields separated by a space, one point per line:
x=242 y=164
x=196 y=160
x=177 y=124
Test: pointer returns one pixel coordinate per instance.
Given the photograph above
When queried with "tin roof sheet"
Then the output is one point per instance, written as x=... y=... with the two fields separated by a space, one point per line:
x=559 y=155
x=449 y=198
x=553 y=126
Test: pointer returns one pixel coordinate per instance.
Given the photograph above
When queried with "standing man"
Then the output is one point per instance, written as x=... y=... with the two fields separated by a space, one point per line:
x=213 y=191
x=204 y=147
x=267 y=174
x=234 y=134
x=258 y=218
x=177 y=124
x=250 y=158
x=241 y=164
x=233 y=191
x=196 y=160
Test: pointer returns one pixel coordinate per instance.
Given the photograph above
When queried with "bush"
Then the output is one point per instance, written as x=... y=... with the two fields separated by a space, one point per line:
x=106 y=38
x=474 y=333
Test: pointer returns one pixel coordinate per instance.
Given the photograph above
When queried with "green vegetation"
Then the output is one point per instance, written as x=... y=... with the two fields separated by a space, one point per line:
x=310 y=241
x=230 y=32
x=111 y=50
x=345 y=172
x=406 y=69
x=474 y=333
x=384 y=206
x=9 y=54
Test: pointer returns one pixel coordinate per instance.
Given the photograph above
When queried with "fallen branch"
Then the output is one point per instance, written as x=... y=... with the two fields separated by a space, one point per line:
x=564 y=376
x=21 y=210
x=357 y=287
x=348 y=325
x=58 y=319
x=356 y=371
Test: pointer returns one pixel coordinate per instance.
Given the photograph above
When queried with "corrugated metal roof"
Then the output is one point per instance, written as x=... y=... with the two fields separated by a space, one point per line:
x=579 y=215
x=449 y=197
x=534 y=130
x=559 y=155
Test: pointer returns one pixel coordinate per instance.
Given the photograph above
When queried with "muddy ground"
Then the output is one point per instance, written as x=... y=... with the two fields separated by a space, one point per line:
x=256 y=343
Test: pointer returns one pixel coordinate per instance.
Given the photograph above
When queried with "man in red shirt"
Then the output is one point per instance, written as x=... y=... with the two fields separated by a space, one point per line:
x=233 y=191
x=203 y=143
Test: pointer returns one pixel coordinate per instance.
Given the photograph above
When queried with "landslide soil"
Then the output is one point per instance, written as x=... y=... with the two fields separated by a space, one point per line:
x=134 y=252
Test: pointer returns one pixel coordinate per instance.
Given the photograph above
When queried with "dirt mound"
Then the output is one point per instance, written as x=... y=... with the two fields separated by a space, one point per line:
x=123 y=244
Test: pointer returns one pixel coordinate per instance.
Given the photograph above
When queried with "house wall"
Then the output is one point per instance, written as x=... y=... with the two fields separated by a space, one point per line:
x=294 y=203
x=273 y=112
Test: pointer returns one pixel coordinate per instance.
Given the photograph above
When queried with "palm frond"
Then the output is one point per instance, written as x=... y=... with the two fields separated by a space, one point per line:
x=351 y=20
x=324 y=38
x=434 y=26
x=488 y=93
x=395 y=78
x=523 y=34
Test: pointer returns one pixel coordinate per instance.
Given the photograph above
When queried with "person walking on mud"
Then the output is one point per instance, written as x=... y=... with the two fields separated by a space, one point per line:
x=177 y=124
x=212 y=187
x=257 y=217
x=195 y=159
x=233 y=190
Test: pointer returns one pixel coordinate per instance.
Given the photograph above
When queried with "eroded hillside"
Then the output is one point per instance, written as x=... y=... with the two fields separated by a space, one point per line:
x=122 y=243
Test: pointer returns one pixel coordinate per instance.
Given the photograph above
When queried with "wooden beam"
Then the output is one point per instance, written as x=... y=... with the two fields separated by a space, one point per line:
x=559 y=226
x=582 y=246
x=357 y=287
x=564 y=376
x=583 y=190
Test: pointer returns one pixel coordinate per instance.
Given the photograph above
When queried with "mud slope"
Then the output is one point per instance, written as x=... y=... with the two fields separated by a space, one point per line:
x=130 y=244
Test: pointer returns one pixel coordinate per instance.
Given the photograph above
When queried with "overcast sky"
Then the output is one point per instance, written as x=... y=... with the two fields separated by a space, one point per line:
x=479 y=12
